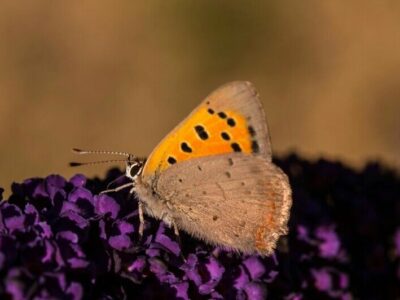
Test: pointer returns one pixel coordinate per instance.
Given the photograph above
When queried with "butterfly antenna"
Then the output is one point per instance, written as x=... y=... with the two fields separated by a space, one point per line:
x=78 y=164
x=80 y=151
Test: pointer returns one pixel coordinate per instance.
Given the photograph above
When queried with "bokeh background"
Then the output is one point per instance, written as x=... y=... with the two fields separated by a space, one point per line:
x=119 y=75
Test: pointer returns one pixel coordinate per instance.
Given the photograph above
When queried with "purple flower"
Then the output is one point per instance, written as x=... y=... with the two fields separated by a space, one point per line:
x=123 y=240
x=78 y=180
x=254 y=267
x=60 y=239
x=323 y=280
x=256 y=291
x=397 y=242
x=330 y=245
x=12 y=217
x=104 y=204
x=165 y=241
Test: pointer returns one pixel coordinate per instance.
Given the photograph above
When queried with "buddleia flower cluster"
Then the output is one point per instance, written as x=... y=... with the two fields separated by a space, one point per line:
x=63 y=239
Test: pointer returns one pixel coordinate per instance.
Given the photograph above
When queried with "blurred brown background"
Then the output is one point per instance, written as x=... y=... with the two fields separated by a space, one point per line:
x=120 y=74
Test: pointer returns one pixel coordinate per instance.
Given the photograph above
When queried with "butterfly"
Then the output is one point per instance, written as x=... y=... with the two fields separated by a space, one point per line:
x=213 y=176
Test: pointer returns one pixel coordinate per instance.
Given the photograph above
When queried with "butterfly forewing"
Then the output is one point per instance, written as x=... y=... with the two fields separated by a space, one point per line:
x=235 y=200
x=230 y=119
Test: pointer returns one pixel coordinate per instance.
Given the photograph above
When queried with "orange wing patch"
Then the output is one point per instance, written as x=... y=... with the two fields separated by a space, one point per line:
x=205 y=132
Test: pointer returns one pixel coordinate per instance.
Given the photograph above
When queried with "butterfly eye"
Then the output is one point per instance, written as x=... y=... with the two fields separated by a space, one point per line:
x=134 y=170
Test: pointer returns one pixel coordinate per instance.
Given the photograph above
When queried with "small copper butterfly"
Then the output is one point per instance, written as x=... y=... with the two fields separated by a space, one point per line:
x=213 y=177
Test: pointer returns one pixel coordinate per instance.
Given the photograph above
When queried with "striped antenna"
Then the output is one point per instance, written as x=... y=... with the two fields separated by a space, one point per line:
x=80 y=151
x=78 y=164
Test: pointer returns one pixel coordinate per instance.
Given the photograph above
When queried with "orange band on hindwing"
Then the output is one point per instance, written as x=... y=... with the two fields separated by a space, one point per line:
x=268 y=225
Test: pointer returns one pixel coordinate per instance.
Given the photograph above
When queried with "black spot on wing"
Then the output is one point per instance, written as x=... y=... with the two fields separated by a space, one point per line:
x=254 y=147
x=231 y=122
x=222 y=115
x=236 y=147
x=211 y=111
x=171 y=160
x=251 y=131
x=186 y=148
x=201 y=132
x=225 y=136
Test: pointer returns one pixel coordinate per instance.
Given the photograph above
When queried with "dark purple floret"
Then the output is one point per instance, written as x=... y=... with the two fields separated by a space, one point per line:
x=12 y=218
x=396 y=241
x=322 y=280
x=166 y=242
x=78 y=180
x=330 y=243
x=254 y=267
x=256 y=291
x=124 y=238
x=61 y=239
x=104 y=204
x=215 y=271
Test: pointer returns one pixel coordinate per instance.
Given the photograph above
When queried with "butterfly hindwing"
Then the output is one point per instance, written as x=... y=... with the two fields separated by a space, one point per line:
x=230 y=119
x=236 y=200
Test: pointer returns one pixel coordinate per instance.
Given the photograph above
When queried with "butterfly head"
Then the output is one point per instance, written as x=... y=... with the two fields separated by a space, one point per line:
x=134 y=167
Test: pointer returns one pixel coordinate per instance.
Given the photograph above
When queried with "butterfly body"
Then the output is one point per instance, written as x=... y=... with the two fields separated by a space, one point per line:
x=213 y=175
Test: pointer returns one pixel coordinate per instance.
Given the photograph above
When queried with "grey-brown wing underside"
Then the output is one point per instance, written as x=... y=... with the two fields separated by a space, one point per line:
x=235 y=200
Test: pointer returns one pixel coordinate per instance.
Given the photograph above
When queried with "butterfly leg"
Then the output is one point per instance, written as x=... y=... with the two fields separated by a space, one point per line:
x=140 y=211
x=176 y=231
x=171 y=223
x=141 y=219
x=124 y=186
